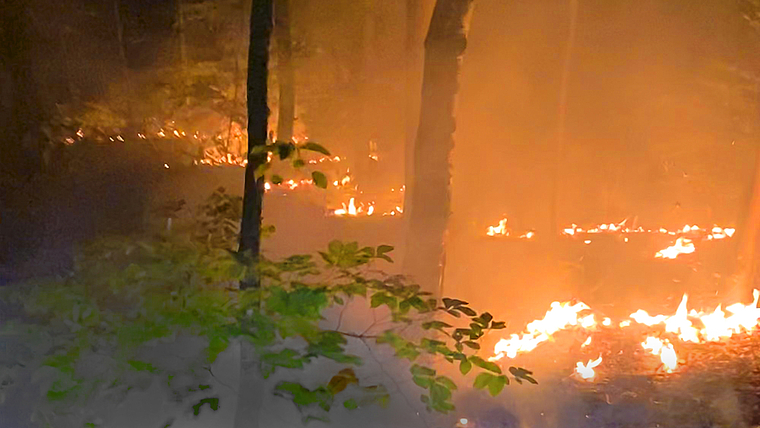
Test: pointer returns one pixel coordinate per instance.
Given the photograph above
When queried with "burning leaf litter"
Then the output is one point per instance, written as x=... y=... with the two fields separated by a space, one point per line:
x=684 y=243
x=662 y=332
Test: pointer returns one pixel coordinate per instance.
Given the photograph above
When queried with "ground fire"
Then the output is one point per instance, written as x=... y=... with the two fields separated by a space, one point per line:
x=661 y=334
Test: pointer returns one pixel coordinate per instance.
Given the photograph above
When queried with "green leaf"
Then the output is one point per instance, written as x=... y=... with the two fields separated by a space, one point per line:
x=319 y=179
x=422 y=382
x=465 y=366
x=216 y=345
x=350 y=404
x=276 y=179
x=496 y=385
x=384 y=249
x=314 y=147
x=287 y=358
x=439 y=392
x=379 y=299
x=482 y=380
x=487 y=365
x=298 y=163
x=498 y=325
x=448 y=383
x=435 y=325
x=285 y=149
x=141 y=366
x=471 y=344
x=419 y=370
x=212 y=402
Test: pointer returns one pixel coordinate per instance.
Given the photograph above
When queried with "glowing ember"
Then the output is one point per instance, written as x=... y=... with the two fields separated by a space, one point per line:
x=586 y=372
x=586 y=343
x=681 y=246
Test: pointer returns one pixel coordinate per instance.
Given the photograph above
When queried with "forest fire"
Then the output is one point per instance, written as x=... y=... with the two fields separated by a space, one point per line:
x=659 y=332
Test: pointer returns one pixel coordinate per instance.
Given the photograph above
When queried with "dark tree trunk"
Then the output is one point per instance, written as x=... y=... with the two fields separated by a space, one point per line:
x=258 y=112
x=120 y=33
x=285 y=74
x=431 y=191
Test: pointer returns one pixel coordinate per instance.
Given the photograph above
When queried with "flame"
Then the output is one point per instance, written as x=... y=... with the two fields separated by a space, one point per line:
x=664 y=349
x=501 y=229
x=586 y=372
x=715 y=325
x=561 y=316
x=685 y=325
x=681 y=246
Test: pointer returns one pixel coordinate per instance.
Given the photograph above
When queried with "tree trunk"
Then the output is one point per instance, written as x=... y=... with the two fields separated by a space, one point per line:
x=431 y=185
x=183 y=47
x=285 y=73
x=251 y=389
x=258 y=112
x=250 y=392
x=120 y=33
x=413 y=51
x=749 y=239
x=559 y=155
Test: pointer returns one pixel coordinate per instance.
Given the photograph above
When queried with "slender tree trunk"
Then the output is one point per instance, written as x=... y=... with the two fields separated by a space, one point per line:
x=749 y=239
x=413 y=53
x=183 y=46
x=285 y=73
x=258 y=112
x=431 y=185
x=120 y=32
x=559 y=155
x=251 y=390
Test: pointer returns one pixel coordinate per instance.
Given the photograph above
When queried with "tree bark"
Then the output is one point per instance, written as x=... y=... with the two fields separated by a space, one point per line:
x=258 y=112
x=431 y=185
x=749 y=239
x=251 y=389
x=285 y=73
x=120 y=33
x=413 y=51
x=559 y=154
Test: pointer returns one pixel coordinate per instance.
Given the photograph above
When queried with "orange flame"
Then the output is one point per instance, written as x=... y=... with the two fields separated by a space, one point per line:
x=586 y=371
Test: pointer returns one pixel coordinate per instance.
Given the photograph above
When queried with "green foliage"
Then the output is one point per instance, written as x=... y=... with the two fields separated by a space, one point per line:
x=126 y=294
